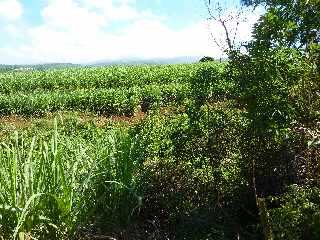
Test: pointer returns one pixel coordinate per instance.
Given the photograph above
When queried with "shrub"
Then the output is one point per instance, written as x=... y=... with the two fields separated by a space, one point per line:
x=207 y=59
x=297 y=215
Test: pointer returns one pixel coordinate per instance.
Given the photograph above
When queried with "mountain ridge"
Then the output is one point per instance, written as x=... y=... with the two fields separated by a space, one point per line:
x=102 y=62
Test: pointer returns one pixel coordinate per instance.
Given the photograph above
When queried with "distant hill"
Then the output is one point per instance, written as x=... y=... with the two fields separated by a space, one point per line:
x=45 y=66
x=136 y=61
x=106 y=62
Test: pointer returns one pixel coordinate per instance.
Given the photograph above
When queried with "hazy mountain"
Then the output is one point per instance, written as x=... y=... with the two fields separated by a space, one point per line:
x=45 y=66
x=126 y=61
x=135 y=61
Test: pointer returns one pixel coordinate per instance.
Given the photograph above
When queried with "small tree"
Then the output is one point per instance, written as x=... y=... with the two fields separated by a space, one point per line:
x=207 y=59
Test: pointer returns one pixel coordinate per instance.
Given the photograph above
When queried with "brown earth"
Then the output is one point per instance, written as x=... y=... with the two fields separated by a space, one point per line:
x=15 y=122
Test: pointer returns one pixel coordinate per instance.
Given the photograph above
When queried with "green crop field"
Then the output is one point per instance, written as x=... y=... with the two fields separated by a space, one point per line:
x=94 y=77
x=112 y=90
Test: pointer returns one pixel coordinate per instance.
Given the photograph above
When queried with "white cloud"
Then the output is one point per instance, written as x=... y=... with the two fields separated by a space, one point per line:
x=68 y=15
x=155 y=39
x=143 y=38
x=115 y=10
x=82 y=31
x=10 y=10
x=12 y=30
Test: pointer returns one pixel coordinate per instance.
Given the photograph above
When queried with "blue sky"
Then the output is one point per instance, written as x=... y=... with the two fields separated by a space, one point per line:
x=178 y=12
x=81 y=31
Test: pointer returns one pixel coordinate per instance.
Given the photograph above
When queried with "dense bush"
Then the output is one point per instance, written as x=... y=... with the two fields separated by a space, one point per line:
x=297 y=214
x=277 y=82
x=192 y=170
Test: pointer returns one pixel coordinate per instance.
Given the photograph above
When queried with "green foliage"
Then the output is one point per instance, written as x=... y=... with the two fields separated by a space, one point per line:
x=288 y=24
x=275 y=89
x=297 y=215
x=51 y=185
x=277 y=83
x=208 y=83
x=164 y=176
x=207 y=59
x=112 y=200
x=192 y=169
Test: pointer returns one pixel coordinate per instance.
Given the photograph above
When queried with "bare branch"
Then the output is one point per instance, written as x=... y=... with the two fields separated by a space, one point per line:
x=229 y=23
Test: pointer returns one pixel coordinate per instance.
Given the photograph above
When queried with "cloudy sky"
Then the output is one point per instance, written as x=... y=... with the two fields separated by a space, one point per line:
x=82 y=31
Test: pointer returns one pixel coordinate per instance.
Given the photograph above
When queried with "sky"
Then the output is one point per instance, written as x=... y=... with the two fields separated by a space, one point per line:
x=84 y=31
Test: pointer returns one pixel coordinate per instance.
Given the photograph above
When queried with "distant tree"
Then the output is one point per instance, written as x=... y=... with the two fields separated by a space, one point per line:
x=206 y=59
x=254 y=2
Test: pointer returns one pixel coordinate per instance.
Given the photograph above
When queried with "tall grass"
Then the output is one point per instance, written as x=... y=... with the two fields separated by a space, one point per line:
x=50 y=187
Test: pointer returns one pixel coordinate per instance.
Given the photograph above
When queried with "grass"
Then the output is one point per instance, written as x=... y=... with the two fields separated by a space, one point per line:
x=52 y=183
